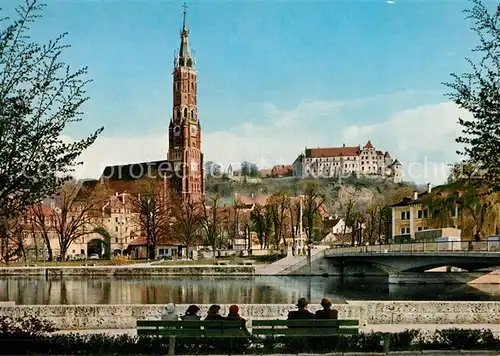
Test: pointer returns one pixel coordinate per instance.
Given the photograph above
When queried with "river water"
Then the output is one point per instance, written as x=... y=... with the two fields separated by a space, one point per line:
x=224 y=290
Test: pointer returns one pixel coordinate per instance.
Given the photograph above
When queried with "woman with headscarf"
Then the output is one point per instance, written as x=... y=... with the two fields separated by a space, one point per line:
x=169 y=313
x=213 y=313
x=192 y=313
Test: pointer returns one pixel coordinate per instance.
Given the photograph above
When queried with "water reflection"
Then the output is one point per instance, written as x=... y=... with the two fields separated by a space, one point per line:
x=205 y=290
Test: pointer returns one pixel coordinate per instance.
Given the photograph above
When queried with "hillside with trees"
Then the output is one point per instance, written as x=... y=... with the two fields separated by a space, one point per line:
x=366 y=189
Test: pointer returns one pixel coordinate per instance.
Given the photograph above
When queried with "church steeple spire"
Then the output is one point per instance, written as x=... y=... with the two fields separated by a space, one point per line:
x=184 y=135
x=185 y=58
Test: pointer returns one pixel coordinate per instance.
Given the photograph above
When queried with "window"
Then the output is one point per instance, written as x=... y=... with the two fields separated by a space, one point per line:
x=419 y=214
x=407 y=215
x=426 y=213
x=402 y=231
x=419 y=228
x=116 y=219
x=116 y=228
x=116 y=240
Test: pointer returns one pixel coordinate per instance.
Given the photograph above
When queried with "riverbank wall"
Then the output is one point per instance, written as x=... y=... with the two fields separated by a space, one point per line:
x=369 y=313
x=128 y=271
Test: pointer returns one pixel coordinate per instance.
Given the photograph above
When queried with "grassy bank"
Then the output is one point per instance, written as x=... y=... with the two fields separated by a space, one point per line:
x=138 y=263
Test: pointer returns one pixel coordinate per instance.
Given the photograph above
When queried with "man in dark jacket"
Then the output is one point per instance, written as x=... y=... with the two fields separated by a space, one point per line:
x=301 y=312
x=326 y=312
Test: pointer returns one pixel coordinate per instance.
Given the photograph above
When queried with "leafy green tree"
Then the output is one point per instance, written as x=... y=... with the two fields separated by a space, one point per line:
x=249 y=169
x=479 y=93
x=39 y=96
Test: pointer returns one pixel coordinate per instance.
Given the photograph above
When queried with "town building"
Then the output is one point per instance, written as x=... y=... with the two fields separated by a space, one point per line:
x=412 y=215
x=345 y=161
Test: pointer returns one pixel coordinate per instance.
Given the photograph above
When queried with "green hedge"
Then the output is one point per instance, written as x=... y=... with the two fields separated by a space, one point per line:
x=32 y=336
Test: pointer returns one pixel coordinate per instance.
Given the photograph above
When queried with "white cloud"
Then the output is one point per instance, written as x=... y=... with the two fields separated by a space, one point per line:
x=422 y=138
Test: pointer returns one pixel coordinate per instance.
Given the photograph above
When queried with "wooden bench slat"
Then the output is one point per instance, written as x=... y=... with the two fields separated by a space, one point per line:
x=193 y=333
x=305 y=323
x=188 y=323
x=304 y=332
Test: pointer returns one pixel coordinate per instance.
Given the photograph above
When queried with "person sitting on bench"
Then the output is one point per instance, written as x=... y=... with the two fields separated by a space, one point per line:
x=301 y=313
x=192 y=314
x=213 y=314
x=326 y=312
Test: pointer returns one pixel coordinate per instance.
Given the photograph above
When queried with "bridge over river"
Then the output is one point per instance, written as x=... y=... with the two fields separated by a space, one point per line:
x=404 y=262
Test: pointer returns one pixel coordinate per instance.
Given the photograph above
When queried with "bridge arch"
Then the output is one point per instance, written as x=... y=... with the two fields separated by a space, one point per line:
x=419 y=262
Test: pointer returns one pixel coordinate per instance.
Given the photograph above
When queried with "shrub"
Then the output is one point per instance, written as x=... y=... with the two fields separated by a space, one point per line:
x=33 y=336
x=462 y=339
x=30 y=326
x=406 y=340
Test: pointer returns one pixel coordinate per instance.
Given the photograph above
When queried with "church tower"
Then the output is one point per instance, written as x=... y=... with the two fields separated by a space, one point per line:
x=184 y=134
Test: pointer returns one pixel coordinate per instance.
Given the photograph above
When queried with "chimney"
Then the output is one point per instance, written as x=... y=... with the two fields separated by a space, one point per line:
x=429 y=187
x=415 y=195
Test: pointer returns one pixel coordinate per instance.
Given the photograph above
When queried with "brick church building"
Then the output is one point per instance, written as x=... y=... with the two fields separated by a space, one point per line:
x=183 y=167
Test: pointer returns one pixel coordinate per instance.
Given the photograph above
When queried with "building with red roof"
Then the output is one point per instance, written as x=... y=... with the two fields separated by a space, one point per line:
x=345 y=161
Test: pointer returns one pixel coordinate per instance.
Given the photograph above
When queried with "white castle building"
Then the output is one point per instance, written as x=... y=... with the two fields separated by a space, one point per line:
x=344 y=161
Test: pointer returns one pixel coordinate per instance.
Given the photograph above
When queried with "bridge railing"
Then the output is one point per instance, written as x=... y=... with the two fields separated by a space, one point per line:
x=419 y=247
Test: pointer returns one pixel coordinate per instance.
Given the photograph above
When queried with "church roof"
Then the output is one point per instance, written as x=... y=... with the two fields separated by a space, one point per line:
x=368 y=145
x=134 y=171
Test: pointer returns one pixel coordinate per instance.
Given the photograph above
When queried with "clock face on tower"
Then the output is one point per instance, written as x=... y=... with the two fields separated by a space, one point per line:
x=193 y=129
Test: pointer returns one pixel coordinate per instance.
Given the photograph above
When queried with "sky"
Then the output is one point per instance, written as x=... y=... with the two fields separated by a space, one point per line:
x=273 y=77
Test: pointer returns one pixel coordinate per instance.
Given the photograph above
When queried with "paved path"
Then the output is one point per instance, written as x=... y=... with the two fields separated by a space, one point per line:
x=288 y=262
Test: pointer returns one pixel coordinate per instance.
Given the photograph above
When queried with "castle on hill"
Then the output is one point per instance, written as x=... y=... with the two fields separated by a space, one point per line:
x=345 y=161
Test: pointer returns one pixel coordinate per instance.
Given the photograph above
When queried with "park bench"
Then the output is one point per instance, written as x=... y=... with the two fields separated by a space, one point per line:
x=308 y=334
x=248 y=263
x=194 y=330
x=203 y=331
x=222 y=263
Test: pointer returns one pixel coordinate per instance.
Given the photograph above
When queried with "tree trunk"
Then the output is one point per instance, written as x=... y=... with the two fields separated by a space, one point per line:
x=36 y=247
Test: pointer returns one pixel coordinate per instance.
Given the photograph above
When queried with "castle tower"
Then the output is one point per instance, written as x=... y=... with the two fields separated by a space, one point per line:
x=184 y=147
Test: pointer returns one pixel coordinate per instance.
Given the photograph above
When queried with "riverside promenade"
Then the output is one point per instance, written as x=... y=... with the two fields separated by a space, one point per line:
x=373 y=315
